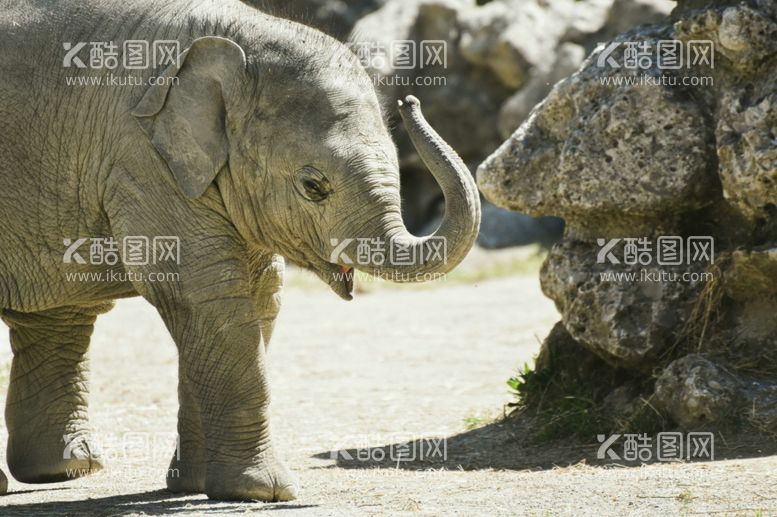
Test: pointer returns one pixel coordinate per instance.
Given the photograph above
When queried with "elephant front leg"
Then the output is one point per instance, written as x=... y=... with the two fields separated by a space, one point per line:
x=187 y=467
x=224 y=382
x=204 y=295
x=46 y=408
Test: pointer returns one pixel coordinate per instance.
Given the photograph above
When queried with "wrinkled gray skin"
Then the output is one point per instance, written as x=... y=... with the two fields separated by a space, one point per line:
x=233 y=160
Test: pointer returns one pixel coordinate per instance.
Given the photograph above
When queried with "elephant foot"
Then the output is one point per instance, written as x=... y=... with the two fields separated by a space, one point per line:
x=186 y=477
x=269 y=481
x=3 y=483
x=31 y=462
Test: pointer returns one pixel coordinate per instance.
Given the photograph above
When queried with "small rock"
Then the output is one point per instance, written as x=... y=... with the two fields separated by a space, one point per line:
x=695 y=392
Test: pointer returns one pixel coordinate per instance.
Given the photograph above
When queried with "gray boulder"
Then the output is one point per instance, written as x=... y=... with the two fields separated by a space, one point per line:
x=696 y=393
x=609 y=158
x=649 y=151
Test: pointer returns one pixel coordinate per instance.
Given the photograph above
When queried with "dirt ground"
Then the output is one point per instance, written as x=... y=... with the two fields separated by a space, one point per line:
x=427 y=364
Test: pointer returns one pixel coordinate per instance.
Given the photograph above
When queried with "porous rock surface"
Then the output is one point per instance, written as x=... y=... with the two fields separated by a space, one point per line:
x=668 y=156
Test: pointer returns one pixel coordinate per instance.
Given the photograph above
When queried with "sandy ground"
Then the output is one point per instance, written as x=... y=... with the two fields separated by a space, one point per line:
x=391 y=366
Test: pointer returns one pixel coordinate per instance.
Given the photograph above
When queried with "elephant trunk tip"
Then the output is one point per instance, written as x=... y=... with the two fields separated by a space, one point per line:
x=410 y=101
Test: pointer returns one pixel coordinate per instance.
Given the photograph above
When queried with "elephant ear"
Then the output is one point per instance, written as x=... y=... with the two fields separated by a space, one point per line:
x=184 y=113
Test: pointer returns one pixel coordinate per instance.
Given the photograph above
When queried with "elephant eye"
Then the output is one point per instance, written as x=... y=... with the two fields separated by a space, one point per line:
x=312 y=184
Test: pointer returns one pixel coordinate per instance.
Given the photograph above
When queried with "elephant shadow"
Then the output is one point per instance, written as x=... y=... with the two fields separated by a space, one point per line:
x=154 y=502
x=504 y=445
x=493 y=446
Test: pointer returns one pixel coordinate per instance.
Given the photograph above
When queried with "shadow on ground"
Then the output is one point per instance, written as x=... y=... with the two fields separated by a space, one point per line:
x=504 y=445
x=155 y=502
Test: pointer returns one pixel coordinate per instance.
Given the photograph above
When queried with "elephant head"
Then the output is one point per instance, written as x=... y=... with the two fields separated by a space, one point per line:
x=296 y=146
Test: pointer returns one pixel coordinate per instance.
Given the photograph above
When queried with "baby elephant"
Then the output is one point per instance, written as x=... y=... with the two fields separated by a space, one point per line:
x=177 y=150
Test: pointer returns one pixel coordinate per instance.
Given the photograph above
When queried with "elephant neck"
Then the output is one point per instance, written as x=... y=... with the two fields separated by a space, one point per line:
x=241 y=210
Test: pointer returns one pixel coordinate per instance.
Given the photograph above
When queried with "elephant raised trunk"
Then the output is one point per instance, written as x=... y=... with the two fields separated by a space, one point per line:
x=417 y=258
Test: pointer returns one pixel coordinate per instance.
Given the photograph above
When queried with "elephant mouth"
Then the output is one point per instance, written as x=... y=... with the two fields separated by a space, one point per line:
x=339 y=278
x=347 y=279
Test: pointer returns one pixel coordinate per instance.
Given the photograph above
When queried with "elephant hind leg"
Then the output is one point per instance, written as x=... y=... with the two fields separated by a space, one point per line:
x=46 y=408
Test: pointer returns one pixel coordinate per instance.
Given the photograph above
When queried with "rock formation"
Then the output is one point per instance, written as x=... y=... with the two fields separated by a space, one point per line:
x=666 y=176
